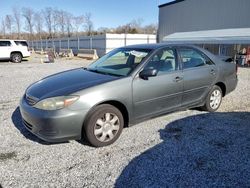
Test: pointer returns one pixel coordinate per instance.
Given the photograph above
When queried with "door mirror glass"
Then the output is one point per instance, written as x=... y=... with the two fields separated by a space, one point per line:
x=146 y=73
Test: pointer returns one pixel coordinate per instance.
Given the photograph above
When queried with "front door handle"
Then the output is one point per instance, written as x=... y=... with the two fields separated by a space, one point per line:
x=178 y=79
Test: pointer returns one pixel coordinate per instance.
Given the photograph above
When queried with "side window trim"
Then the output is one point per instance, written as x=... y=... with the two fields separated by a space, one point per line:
x=196 y=50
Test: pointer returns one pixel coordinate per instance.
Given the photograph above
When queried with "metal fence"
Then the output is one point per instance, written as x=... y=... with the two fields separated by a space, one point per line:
x=102 y=43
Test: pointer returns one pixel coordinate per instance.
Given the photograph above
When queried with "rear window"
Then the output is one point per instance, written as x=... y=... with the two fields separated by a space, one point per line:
x=5 y=43
x=21 y=43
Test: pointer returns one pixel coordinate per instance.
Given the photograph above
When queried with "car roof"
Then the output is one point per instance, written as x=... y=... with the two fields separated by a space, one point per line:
x=12 y=40
x=155 y=46
x=160 y=45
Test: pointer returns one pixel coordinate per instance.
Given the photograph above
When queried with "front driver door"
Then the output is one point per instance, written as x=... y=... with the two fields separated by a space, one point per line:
x=5 y=48
x=160 y=93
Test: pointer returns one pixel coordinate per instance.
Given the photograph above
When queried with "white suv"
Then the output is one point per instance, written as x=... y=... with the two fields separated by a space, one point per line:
x=14 y=50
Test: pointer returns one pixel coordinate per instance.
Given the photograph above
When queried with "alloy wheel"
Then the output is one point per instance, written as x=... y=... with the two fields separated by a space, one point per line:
x=106 y=127
x=215 y=99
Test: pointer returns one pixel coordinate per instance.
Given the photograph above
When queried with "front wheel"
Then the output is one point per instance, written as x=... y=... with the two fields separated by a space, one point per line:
x=103 y=125
x=213 y=100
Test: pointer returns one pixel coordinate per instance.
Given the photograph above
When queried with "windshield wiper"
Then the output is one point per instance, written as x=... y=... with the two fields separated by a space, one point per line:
x=101 y=72
x=92 y=70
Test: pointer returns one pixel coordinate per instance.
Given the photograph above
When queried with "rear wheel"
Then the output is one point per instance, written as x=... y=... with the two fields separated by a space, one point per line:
x=103 y=125
x=16 y=57
x=213 y=100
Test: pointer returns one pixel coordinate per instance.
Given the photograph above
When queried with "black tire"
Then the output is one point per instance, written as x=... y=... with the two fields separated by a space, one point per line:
x=91 y=126
x=16 y=57
x=208 y=106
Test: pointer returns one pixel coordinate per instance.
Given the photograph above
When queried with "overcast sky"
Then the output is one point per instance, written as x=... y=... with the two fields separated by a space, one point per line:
x=105 y=13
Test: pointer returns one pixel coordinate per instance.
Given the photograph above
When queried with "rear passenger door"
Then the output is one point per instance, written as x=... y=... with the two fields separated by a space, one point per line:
x=5 y=48
x=199 y=73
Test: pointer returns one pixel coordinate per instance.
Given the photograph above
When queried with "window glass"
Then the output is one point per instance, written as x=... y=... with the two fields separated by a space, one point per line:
x=5 y=43
x=208 y=61
x=120 y=62
x=163 y=61
x=191 y=58
x=21 y=43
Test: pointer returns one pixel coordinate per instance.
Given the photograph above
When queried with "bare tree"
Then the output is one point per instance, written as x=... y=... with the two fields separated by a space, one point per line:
x=77 y=23
x=60 y=20
x=48 y=16
x=55 y=21
x=38 y=22
x=103 y=30
x=50 y=23
x=17 y=20
x=3 y=26
x=88 y=23
x=150 y=29
x=28 y=14
x=69 y=26
x=136 y=23
x=9 y=23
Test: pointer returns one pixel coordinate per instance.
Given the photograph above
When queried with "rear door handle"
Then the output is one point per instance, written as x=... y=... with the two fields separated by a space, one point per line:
x=212 y=71
x=178 y=79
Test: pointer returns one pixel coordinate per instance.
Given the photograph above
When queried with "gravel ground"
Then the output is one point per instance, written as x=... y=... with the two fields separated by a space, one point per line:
x=187 y=148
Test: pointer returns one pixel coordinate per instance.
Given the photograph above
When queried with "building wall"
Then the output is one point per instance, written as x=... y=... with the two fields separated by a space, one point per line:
x=102 y=43
x=195 y=15
x=118 y=40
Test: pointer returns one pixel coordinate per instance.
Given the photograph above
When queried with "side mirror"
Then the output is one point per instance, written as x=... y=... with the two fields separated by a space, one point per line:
x=146 y=73
x=229 y=60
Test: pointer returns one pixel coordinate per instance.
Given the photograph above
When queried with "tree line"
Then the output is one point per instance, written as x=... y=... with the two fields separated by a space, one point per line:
x=25 y=23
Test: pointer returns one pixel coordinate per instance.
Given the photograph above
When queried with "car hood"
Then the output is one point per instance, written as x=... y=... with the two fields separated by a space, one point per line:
x=66 y=83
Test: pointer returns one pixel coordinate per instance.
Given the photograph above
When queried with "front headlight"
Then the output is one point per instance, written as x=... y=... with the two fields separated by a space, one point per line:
x=56 y=103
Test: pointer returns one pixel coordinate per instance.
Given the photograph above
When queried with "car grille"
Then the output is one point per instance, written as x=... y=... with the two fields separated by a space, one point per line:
x=27 y=125
x=31 y=100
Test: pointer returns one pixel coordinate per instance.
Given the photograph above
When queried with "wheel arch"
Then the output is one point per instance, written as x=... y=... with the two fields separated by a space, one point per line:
x=119 y=105
x=223 y=87
x=13 y=52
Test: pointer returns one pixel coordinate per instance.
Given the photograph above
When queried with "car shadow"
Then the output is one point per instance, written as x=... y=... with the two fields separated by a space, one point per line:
x=4 y=61
x=17 y=121
x=8 y=61
x=207 y=150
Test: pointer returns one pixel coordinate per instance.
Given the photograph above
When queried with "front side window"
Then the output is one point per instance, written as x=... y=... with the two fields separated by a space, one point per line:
x=5 y=43
x=119 y=62
x=191 y=58
x=163 y=61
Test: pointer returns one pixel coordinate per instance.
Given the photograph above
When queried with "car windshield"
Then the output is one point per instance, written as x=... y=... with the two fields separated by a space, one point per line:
x=119 y=62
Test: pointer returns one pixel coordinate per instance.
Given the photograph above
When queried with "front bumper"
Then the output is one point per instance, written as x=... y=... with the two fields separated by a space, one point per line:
x=53 y=126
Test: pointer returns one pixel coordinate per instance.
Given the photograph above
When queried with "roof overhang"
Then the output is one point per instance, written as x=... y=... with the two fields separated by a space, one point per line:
x=170 y=3
x=222 y=36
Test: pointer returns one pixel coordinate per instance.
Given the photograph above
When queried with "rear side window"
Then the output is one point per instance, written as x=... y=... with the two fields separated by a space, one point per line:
x=192 y=58
x=21 y=43
x=5 y=43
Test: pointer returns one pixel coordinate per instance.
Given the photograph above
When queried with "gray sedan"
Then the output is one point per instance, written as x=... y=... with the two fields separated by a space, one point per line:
x=124 y=87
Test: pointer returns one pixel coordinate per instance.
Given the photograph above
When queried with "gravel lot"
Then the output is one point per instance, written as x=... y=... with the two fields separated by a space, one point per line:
x=187 y=148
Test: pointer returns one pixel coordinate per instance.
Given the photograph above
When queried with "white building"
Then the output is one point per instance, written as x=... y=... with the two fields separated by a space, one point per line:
x=102 y=43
